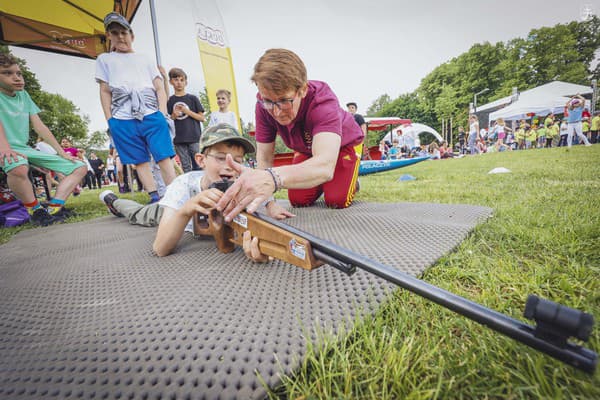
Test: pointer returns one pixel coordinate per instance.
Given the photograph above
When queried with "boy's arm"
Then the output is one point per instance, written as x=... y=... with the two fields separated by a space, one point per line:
x=41 y=129
x=6 y=152
x=163 y=73
x=105 y=99
x=198 y=116
x=173 y=222
x=170 y=229
x=160 y=95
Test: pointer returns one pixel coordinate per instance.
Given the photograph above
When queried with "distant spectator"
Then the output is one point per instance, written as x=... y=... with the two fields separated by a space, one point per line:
x=564 y=131
x=575 y=106
x=461 y=140
x=394 y=151
x=595 y=128
x=187 y=112
x=383 y=149
x=224 y=115
x=98 y=169
x=473 y=134
x=352 y=108
x=434 y=151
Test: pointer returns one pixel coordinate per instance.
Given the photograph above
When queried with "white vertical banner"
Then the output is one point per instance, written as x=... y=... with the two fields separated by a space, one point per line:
x=215 y=53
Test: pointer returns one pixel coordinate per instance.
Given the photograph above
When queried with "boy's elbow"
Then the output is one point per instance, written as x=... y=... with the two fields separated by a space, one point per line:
x=160 y=251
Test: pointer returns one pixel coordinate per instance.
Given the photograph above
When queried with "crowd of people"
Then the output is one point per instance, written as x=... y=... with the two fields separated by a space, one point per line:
x=577 y=126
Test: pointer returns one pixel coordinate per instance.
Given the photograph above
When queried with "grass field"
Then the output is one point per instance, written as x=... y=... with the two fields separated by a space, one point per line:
x=543 y=239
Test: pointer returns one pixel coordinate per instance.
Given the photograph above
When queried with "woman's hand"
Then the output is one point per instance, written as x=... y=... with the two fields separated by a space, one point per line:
x=249 y=191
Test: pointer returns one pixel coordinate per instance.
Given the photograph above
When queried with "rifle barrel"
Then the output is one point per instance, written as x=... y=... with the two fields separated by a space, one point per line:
x=572 y=354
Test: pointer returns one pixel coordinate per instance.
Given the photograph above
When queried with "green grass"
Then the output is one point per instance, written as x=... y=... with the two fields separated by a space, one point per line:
x=543 y=239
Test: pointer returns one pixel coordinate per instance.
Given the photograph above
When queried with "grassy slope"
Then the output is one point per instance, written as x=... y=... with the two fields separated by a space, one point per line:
x=543 y=239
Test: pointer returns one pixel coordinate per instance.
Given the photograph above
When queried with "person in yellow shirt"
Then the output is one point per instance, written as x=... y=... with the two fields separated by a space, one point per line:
x=595 y=128
x=585 y=127
x=530 y=137
x=552 y=132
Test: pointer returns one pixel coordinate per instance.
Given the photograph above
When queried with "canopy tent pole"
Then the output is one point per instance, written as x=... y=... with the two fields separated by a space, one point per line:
x=155 y=31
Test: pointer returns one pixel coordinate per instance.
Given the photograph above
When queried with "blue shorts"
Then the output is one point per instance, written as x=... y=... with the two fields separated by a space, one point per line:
x=135 y=140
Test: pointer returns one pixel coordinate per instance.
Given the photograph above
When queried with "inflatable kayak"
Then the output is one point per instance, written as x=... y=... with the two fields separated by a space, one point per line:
x=372 y=166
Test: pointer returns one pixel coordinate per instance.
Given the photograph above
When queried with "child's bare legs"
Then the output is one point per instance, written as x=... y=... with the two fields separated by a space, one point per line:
x=120 y=178
x=18 y=181
x=145 y=174
x=167 y=170
x=68 y=183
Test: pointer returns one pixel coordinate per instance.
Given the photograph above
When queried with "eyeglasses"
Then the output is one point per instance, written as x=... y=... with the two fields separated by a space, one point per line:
x=283 y=104
x=222 y=158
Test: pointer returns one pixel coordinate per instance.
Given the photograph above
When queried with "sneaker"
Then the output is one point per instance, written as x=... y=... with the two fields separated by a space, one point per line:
x=65 y=213
x=108 y=197
x=40 y=217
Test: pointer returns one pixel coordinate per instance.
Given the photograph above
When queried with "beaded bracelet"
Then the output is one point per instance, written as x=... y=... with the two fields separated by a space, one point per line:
x=276 y=179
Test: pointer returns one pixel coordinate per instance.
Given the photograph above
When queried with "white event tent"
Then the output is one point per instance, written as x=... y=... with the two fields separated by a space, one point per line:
x=410 y=134
x=542 y=100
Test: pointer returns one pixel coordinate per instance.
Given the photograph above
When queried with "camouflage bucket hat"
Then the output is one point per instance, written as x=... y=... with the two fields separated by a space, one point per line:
x=224 y=133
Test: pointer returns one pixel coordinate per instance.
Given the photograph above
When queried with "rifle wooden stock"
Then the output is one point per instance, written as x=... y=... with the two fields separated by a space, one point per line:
x=273 y=241
x=555 y=323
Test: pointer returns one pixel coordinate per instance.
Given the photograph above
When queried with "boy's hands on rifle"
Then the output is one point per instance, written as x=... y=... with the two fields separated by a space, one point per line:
x=203 y=202
x=251 y=249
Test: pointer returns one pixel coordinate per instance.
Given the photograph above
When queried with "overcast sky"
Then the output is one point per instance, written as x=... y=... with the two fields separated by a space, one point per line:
x=363 y=49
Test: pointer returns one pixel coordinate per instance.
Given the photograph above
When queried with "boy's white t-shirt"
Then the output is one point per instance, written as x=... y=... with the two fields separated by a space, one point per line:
x=218 y=117
x=127 y=73
x=183 y=188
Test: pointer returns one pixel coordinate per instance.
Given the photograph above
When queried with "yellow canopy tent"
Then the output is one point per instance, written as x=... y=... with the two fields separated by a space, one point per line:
x=72 y=27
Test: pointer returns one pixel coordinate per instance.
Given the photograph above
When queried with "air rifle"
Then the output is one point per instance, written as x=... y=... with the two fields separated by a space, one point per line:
x=555 y=323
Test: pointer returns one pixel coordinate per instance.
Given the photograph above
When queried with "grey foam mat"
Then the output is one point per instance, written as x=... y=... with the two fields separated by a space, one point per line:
x=88 y=312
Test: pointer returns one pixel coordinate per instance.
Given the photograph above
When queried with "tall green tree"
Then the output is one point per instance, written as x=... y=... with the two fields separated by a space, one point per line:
x=378 y=105
x=563 y=52
x=62 y=117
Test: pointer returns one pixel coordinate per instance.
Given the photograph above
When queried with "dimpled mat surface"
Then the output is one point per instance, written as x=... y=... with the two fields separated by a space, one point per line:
x=89 y=313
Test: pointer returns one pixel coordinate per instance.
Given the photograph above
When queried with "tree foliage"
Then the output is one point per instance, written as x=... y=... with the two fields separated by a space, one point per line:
x=378 y=105
x=564 y=52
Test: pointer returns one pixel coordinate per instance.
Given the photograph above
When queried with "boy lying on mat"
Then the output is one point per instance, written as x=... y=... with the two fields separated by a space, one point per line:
x=190 y=193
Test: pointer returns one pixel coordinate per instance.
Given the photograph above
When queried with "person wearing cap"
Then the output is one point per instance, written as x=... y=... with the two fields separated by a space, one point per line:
x=575 y=105
x=134 y=102
x=307 y=116
x=188 y=193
